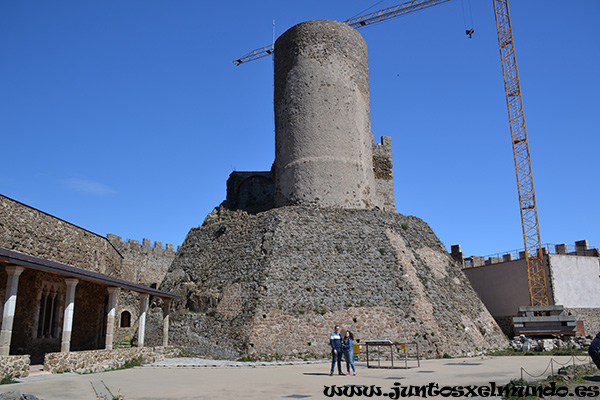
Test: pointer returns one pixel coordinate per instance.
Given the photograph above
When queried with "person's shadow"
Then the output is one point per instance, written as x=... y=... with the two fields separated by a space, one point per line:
x=317 y=373
x=595 y=378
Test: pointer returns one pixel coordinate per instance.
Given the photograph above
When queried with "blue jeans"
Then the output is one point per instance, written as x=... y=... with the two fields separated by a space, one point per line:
x=337 y=358
x=349 y=356
x=593 y=352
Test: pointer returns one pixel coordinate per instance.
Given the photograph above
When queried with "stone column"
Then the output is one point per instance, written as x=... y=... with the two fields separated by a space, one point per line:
x=142 y=320
x=10 y=303
x=65 y=344
x=166 y=305
x=110 y=318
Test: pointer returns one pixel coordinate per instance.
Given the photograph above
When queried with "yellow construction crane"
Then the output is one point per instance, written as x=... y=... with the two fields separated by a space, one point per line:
x=357 y=22
x=529 y=218
x=531 y=232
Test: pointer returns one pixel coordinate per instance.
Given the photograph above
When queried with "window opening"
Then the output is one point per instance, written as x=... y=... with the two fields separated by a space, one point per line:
x=125 y=319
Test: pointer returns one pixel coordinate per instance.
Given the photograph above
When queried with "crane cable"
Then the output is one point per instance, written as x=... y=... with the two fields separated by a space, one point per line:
x=364 y=11
x=469 y=29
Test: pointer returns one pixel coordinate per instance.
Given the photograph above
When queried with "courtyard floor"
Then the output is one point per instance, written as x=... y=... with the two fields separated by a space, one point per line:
x=189 y=378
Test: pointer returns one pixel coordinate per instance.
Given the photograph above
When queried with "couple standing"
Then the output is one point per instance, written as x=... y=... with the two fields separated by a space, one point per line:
x=341 y=346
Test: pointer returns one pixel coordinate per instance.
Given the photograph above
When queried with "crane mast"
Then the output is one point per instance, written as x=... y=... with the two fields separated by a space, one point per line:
x=529 y=218
x=531 y=232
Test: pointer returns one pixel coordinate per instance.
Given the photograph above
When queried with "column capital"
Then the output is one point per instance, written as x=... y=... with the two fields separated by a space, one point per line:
x=14 y=270
x=112 y=289
x=71 y=282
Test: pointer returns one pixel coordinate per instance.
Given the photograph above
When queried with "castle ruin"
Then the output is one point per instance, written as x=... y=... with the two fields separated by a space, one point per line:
x=317 y=241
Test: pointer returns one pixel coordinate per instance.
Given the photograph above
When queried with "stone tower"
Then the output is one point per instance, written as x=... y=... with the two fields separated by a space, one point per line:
x=316 y=241
x=323 y=141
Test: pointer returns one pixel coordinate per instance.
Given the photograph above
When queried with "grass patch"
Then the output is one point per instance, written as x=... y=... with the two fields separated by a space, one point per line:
x=135 y=362
x=7 y=380
x=246 y=359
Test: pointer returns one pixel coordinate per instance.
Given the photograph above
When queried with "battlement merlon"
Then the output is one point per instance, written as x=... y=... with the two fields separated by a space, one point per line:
x=581 y=248
x=386 y=141
x=131 y=244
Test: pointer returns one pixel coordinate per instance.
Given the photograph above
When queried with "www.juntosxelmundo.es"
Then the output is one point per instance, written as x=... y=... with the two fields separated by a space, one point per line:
x=398 y=390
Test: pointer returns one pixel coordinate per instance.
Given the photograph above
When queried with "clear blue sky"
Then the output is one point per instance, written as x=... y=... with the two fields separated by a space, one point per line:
x=127 y=117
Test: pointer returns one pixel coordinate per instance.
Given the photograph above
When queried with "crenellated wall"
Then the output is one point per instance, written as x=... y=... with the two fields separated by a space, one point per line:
x=572 y=277
x=143 y=263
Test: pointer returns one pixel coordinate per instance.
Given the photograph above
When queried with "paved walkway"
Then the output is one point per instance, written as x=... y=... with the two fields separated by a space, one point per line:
x=190 y=378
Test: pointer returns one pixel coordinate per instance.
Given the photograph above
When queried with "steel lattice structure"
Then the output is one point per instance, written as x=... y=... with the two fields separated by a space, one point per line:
x=391 y=12
x=529 y=218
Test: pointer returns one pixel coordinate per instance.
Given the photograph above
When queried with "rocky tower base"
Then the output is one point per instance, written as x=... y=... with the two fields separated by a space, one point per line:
x=275 y=283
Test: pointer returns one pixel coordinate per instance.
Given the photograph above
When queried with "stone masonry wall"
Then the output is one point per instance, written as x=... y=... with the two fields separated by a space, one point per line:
x=83 y=362
x=275 y=283
x=34 y=232
x=590 y=318
x=384 y=173
x=14 y=366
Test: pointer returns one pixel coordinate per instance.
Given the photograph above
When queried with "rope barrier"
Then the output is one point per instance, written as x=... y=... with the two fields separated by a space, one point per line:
x=538 y=376
x=586 y=358
x=551 y=366
x=562 y=365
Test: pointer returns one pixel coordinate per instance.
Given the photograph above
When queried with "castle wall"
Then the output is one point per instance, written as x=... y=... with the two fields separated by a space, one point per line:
x=572 y=281
x=31 y=231
x=144 y=263
x=503 y=287
x=34 y=232
x=323 y=141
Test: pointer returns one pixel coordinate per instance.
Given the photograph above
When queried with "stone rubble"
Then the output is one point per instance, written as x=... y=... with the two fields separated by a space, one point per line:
x=525 y=344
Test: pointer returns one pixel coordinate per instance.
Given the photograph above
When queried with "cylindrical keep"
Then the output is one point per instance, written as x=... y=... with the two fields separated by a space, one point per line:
x=323 y=141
